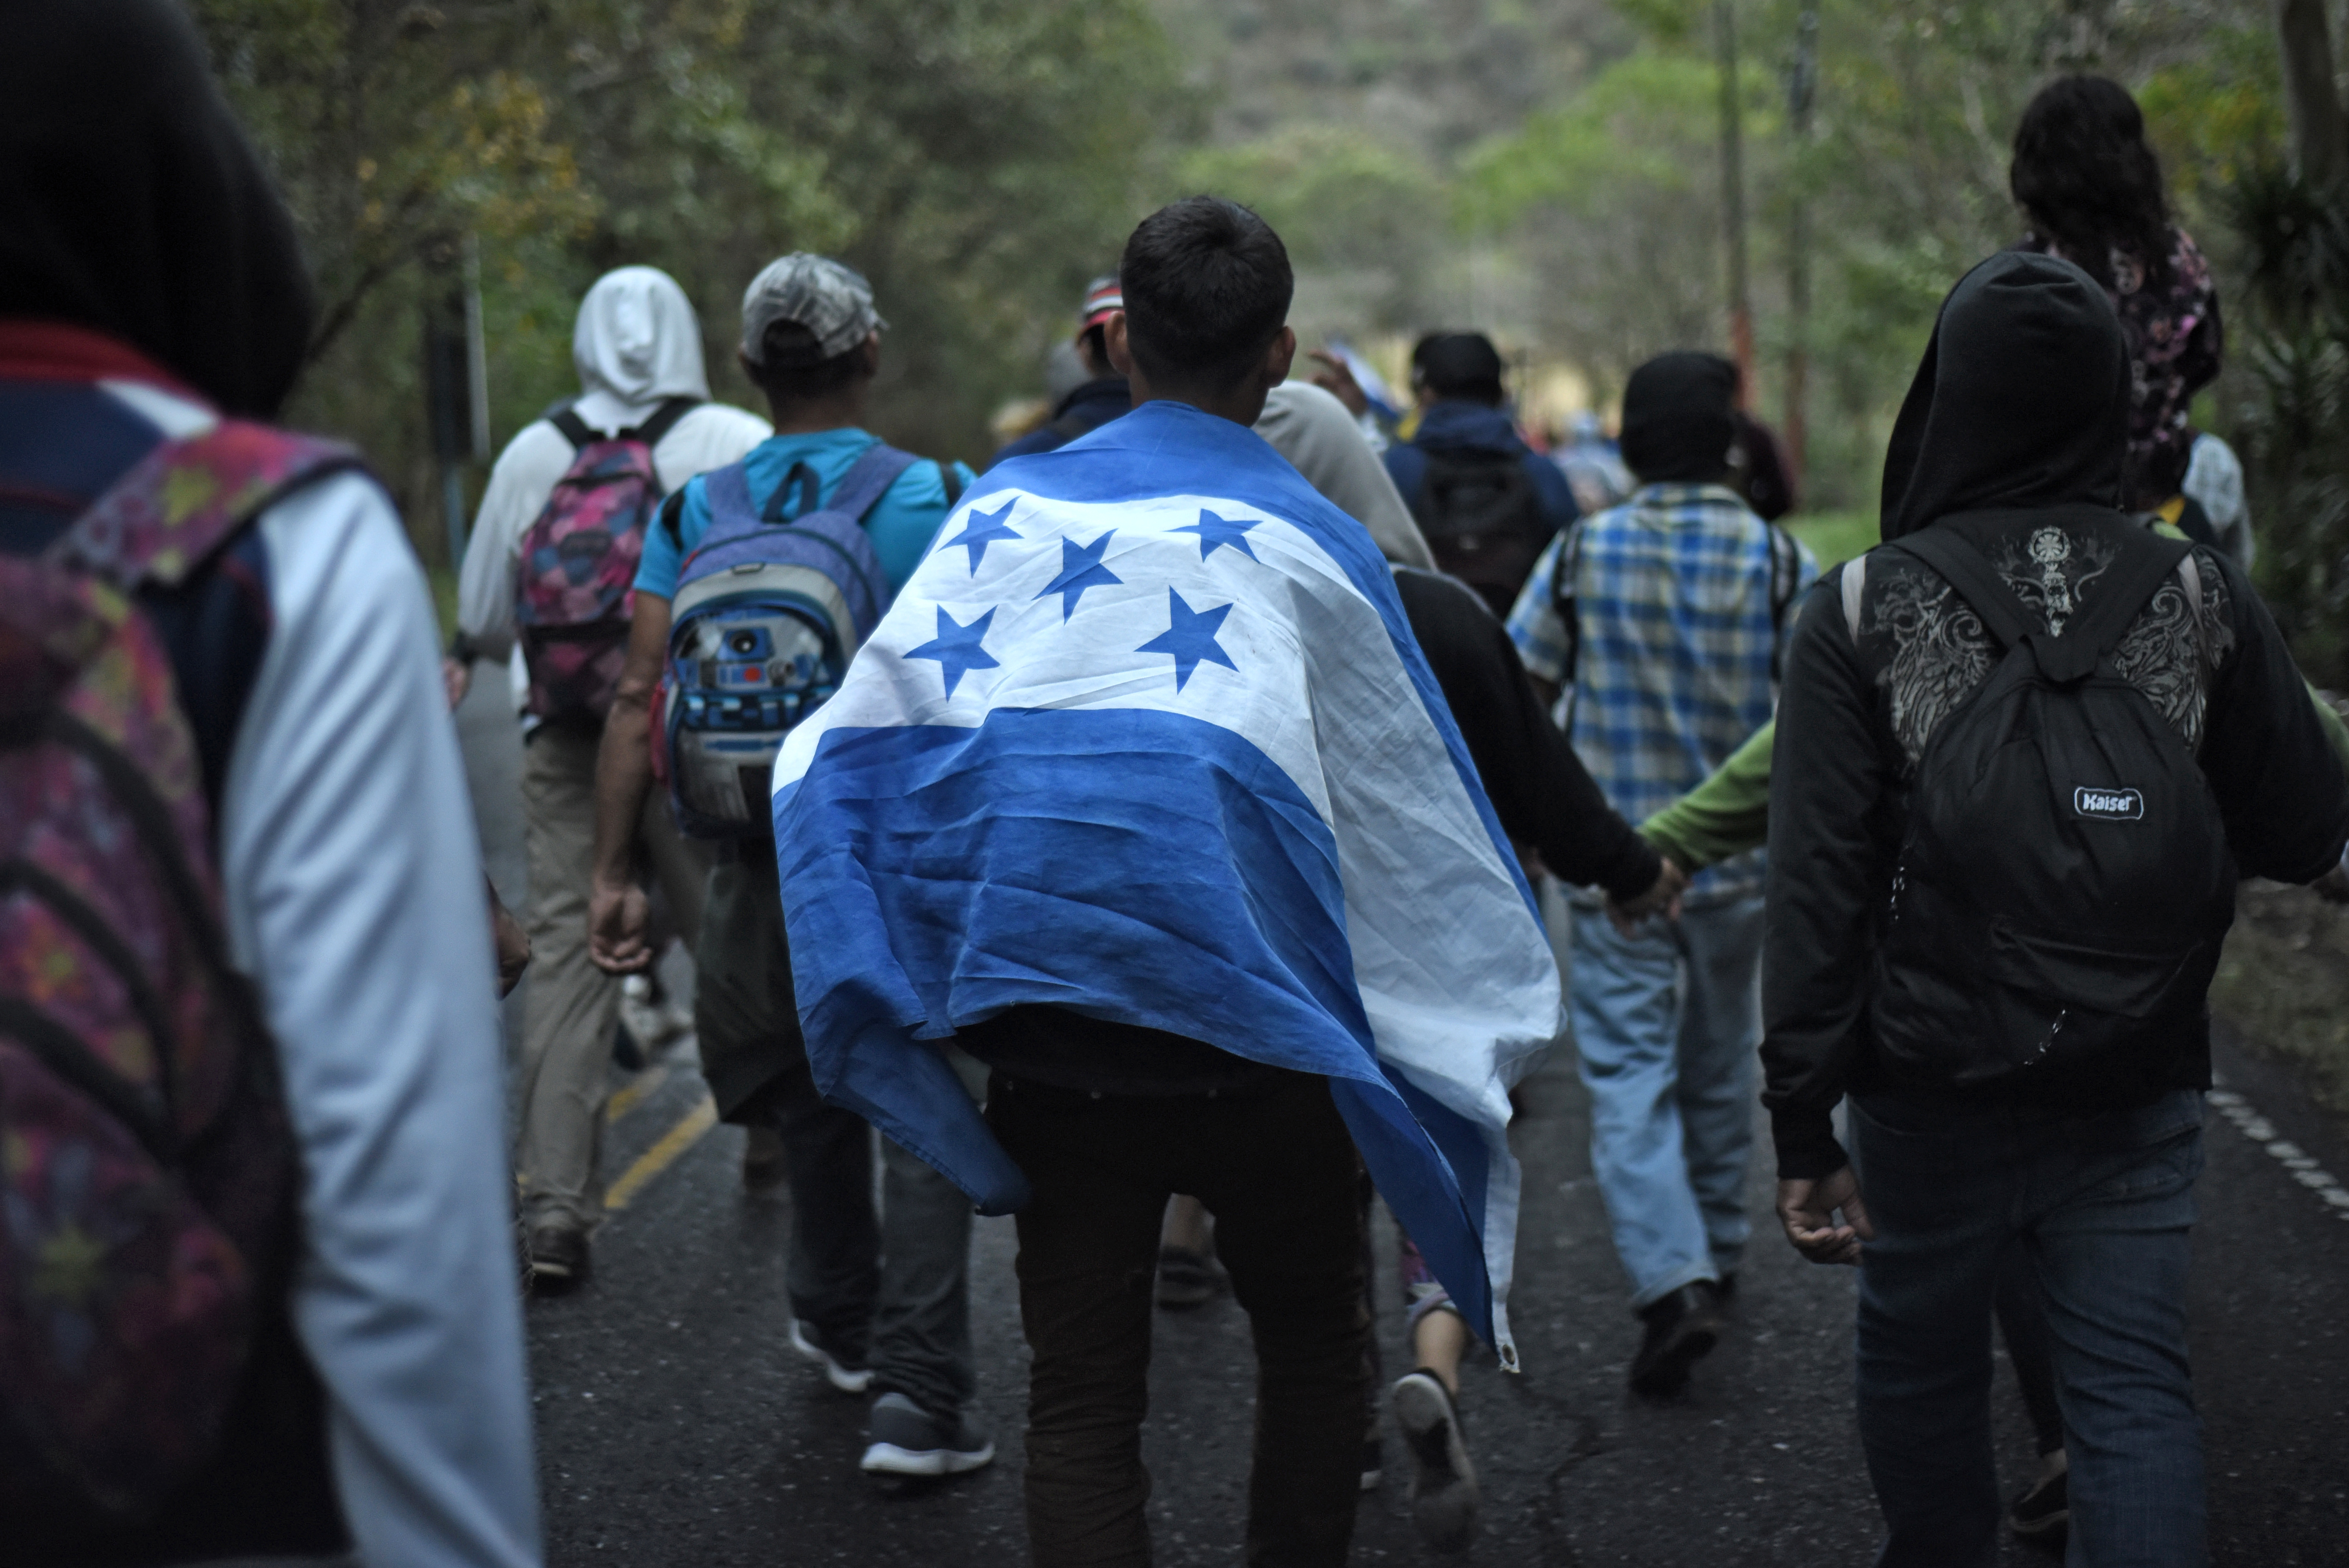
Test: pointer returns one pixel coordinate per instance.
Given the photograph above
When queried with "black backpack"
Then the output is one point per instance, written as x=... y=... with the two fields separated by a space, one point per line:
x=1482 y=521
x=2064 y=881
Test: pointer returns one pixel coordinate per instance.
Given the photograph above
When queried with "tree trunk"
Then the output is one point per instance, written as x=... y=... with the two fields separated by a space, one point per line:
x=2320 y=134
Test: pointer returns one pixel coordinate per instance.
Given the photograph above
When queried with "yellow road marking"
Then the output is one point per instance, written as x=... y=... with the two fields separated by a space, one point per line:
x=663 y=1154
x=632 y=1093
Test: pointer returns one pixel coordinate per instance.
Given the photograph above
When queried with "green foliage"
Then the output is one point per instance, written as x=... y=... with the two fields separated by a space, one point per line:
x=2294 y=427
x=978 y=158
x=1343 y=204
x=1613 y=188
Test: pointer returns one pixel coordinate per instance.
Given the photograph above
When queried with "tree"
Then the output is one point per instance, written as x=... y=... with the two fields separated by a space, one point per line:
x=977 y=159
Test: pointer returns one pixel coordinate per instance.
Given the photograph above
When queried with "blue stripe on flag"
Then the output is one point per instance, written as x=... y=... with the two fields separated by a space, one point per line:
x=1179 y=879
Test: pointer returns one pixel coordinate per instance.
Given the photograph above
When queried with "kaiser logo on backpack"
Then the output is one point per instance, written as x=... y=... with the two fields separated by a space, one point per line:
x=2112 y=805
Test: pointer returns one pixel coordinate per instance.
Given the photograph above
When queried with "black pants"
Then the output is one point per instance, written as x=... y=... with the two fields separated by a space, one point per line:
x=1275 y=1166
x=892 y=1288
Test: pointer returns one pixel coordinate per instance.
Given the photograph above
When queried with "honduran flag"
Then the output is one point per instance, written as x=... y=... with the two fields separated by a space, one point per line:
x=1147 y=736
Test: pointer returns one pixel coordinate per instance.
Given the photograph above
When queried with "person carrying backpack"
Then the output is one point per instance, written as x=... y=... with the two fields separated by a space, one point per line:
x=1486 y=501
x=2025 y=751
x=758 y=581
x=256 y=1297
x=550 y=569
x=1666 y=617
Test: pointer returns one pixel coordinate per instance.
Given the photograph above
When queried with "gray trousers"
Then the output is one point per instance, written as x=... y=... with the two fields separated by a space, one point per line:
x=893 y=1287
x=572 y=1007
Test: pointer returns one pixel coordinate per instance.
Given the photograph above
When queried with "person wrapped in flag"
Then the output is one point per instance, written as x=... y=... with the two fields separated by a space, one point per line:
x=1143 y=794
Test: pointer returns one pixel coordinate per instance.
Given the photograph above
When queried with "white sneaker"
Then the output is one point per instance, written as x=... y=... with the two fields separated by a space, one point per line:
x=1444 y=1497
x=905 y=1439
x=846 y=1379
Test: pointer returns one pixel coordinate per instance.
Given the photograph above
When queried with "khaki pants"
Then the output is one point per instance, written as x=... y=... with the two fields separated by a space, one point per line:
x=572 y=1009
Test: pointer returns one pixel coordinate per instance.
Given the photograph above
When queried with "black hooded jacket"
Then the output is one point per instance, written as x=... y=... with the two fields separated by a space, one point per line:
x=2019 y=419
x=131 y=204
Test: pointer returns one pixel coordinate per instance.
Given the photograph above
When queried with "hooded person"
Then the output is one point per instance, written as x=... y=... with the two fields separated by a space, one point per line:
x=637 y=349
x=1486 y=502
x=1546 y=805
x=1310 y=428
x=2025 y=751
x=372 y=1402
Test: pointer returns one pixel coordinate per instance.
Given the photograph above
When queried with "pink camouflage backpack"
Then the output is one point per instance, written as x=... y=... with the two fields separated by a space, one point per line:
x=578 y=566
x=147 y=1162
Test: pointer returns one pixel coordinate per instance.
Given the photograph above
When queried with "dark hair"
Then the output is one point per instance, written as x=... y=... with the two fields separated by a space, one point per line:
x=1459 y=364
x=1208 y=287
x=792 y=367
x=2083 y=173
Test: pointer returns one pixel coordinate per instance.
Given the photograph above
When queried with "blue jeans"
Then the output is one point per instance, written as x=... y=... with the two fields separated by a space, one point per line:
x=1666 y=1023
x=2100 y=1206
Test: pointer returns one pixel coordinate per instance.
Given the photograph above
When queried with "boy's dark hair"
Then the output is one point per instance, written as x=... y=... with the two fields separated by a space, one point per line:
x=1459 y=364
x=792 y=367
x=2085 y=174
x=1208 y=287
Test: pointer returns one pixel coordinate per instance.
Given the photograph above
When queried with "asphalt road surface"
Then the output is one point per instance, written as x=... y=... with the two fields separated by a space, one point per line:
x=676 y=1425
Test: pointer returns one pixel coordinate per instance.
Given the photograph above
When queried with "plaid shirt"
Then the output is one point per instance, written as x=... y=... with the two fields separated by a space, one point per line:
x=1674 y=596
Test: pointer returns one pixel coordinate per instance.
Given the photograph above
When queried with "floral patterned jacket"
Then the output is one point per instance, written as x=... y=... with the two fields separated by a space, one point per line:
x=2175 y=342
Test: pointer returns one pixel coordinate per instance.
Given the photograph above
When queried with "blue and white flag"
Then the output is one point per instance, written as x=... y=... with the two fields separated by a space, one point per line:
x=1148 y=737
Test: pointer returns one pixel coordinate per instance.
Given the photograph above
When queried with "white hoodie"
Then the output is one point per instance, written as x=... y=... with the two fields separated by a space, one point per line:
x=636 y=345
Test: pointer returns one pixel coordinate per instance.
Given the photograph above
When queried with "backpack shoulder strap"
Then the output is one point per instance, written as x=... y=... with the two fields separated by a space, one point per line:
x=1562 y=592
x=726 y=490
x=2147 y=561
x=179 y=504
x=663 y=421
x=574 y=428
x=1785 y=576
x=1972 y=577
x=861 y=488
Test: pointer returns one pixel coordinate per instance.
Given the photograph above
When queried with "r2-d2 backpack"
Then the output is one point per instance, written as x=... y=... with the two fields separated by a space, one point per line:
x=767 y=615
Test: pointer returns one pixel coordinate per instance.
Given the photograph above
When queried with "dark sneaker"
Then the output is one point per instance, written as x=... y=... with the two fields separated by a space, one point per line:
x=1374 y=1464
x=2043 y=1512
x=1188 y=1279
x=558 y=1256
x=1443 y=1498
x=905 y=1439
x=843 y=1371
x=1681 y=1329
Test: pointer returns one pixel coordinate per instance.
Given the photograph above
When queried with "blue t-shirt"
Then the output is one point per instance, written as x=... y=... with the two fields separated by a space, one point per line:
x=901 y=526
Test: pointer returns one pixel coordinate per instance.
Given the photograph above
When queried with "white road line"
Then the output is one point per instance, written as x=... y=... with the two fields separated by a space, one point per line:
x=2290 y=1156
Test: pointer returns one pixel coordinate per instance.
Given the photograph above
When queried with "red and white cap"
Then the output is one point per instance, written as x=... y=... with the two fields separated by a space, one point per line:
x=1104 y=296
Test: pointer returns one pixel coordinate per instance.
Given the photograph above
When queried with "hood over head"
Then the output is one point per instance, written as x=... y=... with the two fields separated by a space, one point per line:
x=1677 y=424
x=2022 y=400
x=1312 y=429
x=638 y=344
x=132 y=205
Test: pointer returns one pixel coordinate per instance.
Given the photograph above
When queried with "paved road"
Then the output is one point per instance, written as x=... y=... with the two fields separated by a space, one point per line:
x=676 y=1426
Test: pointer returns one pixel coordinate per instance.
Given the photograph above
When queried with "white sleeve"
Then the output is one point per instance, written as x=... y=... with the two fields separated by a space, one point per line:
x=354 y=899
x=712 y=436
x=524 y=477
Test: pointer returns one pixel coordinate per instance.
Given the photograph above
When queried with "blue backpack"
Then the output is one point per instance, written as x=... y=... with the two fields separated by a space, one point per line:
x=768 y=613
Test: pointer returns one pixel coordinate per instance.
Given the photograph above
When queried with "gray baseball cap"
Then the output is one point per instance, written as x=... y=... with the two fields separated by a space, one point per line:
x=832 y=300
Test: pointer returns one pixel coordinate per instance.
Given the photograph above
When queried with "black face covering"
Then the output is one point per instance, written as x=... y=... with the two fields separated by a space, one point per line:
x=131 y=204
x=2021 y=402
x=1676 y=419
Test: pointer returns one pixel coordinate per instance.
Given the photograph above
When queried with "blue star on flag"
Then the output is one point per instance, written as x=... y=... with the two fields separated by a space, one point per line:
x=956 y=649
x=980 y=530
x=1191 y=638
x=1080 y=568
x=1213 y=530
